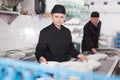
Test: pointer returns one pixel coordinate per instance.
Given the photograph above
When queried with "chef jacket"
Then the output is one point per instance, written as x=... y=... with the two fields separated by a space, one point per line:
x=55 y=44
x=91 y=34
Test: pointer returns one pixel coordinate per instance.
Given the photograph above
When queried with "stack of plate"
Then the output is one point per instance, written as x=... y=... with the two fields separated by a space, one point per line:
x=97 y=56
x=51 y=63
x=94 y=63
x=103 y=43
x=15 y=54
x=77 y=66
x=93 y=57
x=101 y=56
x=29 y=51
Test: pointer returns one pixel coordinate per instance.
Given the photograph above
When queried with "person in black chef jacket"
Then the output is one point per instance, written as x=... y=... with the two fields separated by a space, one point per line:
x=55 y=41
x=91 y=34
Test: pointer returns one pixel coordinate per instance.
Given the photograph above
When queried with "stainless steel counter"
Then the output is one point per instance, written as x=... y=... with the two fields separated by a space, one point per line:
x=109 y=66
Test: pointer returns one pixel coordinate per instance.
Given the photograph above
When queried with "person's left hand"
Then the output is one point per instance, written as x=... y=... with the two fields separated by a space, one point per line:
x=83 y=57
x=100 y=39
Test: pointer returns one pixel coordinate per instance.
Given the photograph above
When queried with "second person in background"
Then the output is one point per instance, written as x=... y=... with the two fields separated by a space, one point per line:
x=91 y=34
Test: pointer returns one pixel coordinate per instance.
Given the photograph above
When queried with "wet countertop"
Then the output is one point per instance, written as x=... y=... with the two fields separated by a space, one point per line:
x=109 y=65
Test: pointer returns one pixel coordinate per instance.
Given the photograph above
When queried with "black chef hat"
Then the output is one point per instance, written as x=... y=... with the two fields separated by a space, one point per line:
x=58 y=9
x=95 y=14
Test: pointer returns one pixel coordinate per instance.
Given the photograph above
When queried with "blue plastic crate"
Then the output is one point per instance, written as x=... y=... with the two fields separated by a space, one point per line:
x=118 y=34
x=22 y=70
x=118 y=39
x=117 y=45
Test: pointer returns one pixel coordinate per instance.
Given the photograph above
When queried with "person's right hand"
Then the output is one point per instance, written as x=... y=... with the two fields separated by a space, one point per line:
x=83 y=57
x=43 y=60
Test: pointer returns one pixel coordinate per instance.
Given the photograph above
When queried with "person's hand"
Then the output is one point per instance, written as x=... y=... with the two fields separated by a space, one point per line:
x=83 y=57
x=94 y=50
x=43 y=60
x=100 y=39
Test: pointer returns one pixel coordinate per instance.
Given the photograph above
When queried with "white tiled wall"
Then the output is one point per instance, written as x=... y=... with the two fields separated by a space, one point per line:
x=112 y=5
x=23 y=32
x=29 y=5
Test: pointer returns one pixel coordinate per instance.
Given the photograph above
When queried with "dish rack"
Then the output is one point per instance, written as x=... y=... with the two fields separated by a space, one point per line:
x=22 y=70
x=75 y=10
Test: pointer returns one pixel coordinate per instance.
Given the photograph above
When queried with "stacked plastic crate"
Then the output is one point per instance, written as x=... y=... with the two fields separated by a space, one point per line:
x=75 y=10
x=117 y=43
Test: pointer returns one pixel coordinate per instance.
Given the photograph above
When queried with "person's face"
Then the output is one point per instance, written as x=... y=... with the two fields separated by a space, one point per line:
x=58 y=18
x=94 y=20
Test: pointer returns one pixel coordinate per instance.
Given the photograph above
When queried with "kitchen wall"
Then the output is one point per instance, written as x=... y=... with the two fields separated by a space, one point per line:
x=110 y=23
x=50 y=4
x=23 y=32
x=29 y=6
x=105 y=5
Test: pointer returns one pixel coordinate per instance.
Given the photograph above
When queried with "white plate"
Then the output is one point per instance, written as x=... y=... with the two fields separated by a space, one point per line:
x=101 y=56
x=103 y=43
x=94 y=63
x=16 y=55
x=29 y=51
x=45 y=79
x=93 y=57
x=77 y=66
x=51 y=63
